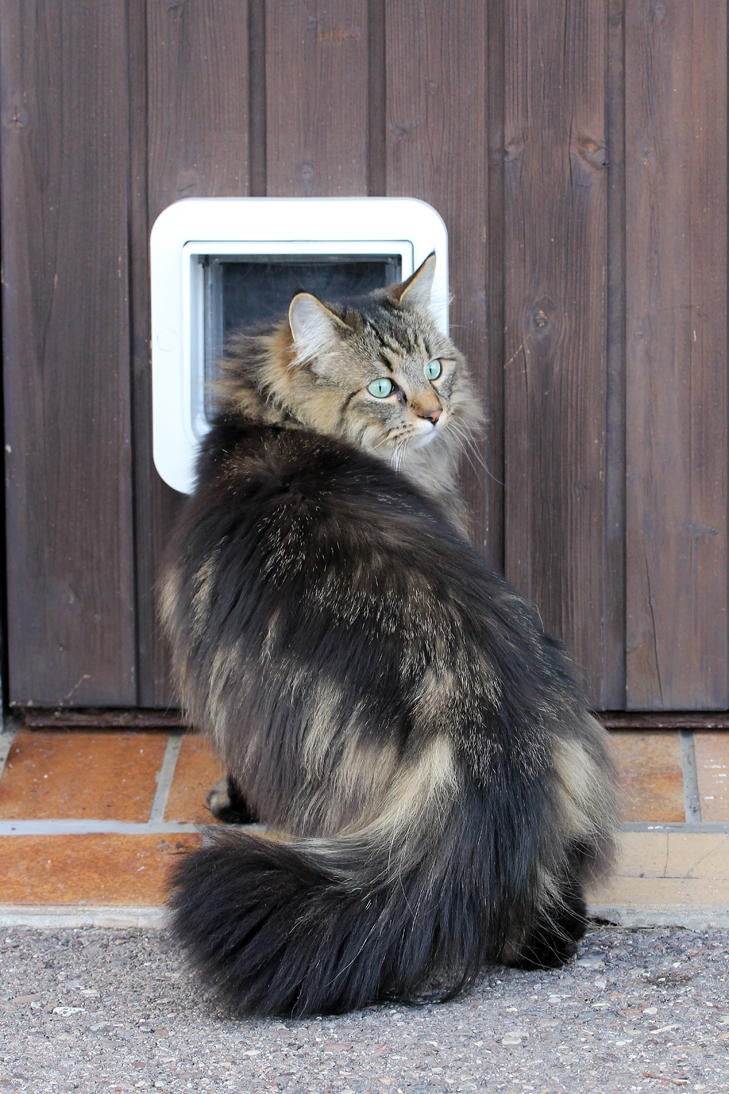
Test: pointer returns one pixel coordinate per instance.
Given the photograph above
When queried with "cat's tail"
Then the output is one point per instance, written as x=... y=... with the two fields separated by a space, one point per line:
x=408 y=905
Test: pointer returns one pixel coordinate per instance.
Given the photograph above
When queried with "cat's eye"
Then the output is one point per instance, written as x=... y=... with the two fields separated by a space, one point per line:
x=381 y=388
x=433 y=369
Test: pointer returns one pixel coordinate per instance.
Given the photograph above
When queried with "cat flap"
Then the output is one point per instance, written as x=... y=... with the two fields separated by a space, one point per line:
x=206 y=253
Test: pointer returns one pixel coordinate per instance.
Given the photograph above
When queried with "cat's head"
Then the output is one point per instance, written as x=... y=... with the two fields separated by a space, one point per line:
x=378 y=371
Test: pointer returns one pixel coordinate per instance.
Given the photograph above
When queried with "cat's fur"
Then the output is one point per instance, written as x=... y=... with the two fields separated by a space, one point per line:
x=434 y=790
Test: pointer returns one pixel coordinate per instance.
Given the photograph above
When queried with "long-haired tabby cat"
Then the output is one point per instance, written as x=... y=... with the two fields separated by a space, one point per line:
x=432 y=791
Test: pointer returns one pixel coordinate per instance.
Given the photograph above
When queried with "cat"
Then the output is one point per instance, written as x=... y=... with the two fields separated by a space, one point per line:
x=431 y=790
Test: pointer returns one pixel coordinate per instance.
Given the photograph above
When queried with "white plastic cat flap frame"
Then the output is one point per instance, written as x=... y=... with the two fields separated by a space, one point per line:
x=220 y=262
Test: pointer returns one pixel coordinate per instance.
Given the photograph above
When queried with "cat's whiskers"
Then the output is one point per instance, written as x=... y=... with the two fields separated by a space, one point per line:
x=473 y=460
x=391 y=448
x=467 y=445
x=383 y=449
x=466 y=442
x=398 y=455
x=370 y=444
x=383 y=442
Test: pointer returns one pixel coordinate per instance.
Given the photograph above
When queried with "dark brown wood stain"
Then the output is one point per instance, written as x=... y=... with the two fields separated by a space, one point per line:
x=578 y=154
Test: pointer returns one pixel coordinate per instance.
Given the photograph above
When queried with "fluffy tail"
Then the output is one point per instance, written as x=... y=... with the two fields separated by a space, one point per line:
x=410 y=906
x=293 y=928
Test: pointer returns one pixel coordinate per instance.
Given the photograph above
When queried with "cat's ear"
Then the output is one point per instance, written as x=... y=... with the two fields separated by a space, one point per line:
x=415 y=292
x=315 y=328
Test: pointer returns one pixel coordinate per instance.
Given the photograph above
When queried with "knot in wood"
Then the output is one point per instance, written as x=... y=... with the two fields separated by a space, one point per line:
x=542 y=319
x=513 y=150
x=592 y=152
x=16 y=117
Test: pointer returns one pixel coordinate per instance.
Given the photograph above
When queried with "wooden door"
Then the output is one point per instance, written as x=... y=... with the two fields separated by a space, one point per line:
x=577 y=152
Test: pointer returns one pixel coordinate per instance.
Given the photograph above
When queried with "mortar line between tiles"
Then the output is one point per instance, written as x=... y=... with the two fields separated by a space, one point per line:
x=706 y=828
x=44 y=916
x=165 y=775
x=75 y=827
x=692 y=800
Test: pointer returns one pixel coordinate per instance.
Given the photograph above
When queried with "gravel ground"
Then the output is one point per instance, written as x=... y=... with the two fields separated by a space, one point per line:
x=115 y=1010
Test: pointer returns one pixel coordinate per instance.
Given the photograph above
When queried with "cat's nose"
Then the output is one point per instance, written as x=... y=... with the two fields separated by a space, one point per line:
x=431 y=416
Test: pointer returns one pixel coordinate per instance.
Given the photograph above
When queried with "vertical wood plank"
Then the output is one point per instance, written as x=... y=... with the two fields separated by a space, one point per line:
x=437 y=150
x=493 y=451
x=197 y=77
x=613 y=691
x=70 y=571
x=198 y=100
x=148 y=497
x=555 y=288
x=676 y=202
x=316 y=97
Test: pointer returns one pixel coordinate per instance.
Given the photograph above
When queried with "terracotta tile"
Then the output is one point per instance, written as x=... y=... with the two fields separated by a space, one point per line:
x=712 y=774
x=198 y=769
x=651 y=775
x=89 y=869
x=74 y=774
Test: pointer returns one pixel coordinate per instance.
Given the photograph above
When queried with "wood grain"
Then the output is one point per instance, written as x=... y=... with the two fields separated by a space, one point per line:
x=578 y=154
x=676 y=278
x=197 y=61
x=555 y=234
x=436 y=150
x=316 y=98
x=69 y=525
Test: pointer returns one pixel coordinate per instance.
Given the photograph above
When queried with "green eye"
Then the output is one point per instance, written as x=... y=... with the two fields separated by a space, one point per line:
x=433 y=370
x=381 y=388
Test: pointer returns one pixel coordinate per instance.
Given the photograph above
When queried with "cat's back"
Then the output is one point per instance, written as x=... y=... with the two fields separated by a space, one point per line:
x=296 y=486
x=287 y=522
x=297 y=549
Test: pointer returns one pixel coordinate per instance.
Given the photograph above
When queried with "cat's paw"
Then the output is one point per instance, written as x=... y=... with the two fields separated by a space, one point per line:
x=545 y=950
x=553 y=939
x=227 y=804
